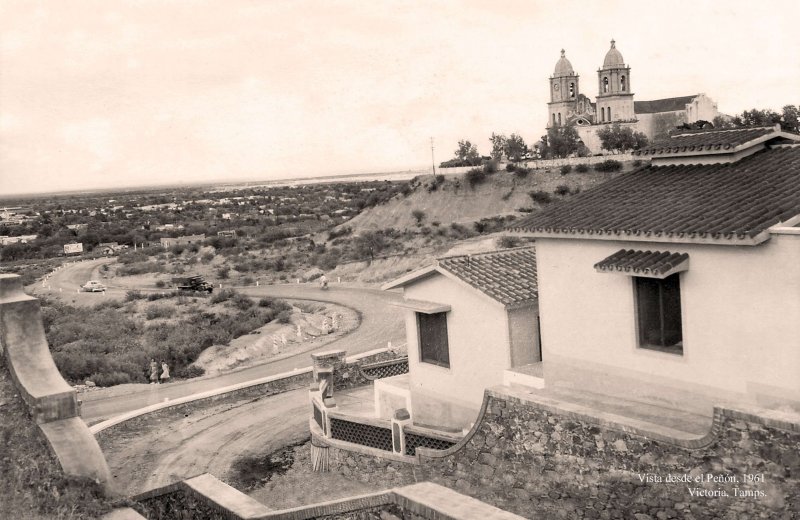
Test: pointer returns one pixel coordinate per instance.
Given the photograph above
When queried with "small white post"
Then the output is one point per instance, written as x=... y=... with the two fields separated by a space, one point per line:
x=256 y=283
x=298 y=280
x=338 y=279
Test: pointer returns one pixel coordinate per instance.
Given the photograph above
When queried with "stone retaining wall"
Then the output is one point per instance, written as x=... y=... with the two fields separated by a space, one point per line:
x=541 y=460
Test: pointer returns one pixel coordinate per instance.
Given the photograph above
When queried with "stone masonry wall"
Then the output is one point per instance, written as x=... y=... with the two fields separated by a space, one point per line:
x=540 y=461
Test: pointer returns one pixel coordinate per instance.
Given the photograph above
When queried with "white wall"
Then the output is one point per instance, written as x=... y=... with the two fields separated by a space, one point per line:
x=741 y=322
x=478 y=337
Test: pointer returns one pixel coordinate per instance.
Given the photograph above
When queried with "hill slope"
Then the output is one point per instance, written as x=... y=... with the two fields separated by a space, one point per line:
x=455 y=201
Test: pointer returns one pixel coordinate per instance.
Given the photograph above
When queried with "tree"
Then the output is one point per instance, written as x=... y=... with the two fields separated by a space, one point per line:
x=369 y=244
x=515 y=147
x=560 y=141
x=757 y=117
x=619 y=139
x=467 y=152
x=791 y=118
x=498 y=145
x=418 y=215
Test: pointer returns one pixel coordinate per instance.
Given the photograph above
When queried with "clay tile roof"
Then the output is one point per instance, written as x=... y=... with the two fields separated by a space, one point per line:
x=662 y=105
x=506 y=276
x=706 y=140
x=655 y=264
x=686 y=202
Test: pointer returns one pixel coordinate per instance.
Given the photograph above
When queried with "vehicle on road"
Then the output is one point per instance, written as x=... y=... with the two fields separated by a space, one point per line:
x=93 y=286
x=193 y=284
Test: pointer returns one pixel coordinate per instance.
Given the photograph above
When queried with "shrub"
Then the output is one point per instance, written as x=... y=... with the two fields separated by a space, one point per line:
x=490 y=167
x=609 y=165
x=637 y=163
x=133 y=295
x=525 y=210
x=222 y=296
x=241 y=302
x=189 y=371
x=510 y=167
x=542 y=197
x=582 y=168
x=284 y=317
x=161 y=284
x=506 y=242
x=562 y=189
x=207 y=258
x=418 y=215
x=159 y=311
x=566 y=169
x=475 y=176
x=223 y=272
x=521 y=172
x=110 y=378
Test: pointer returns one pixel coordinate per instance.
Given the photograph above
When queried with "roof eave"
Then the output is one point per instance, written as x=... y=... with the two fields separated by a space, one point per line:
x=410 y=277
x=642 y=237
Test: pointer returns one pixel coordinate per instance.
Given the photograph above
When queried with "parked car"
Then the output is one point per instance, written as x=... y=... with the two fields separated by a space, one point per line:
x=93 y=286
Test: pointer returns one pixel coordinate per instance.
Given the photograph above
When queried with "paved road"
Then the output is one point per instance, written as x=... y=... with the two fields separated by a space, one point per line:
x=380 y=323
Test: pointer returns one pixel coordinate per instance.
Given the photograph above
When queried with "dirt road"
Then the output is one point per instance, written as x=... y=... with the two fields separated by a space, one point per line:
x=380 y=323
x=209 y=440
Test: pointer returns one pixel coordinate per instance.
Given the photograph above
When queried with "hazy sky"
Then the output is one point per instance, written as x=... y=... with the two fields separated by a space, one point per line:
x=119 y=93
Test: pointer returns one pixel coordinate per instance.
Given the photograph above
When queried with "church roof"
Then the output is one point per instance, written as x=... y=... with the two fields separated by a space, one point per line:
x=563 y=66
x=662 y=105
x=613 y=57
x=732 y=203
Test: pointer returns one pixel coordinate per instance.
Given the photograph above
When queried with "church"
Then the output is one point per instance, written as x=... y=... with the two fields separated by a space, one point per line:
x=615 y=103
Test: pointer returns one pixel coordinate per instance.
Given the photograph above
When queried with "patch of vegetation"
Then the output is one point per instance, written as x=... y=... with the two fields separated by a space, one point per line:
x=562 y=190
x=475 y=176
x=252 y=472
x=566 y=169
x=609 y=165
x=541 y=197
x=111 y=347
x=582 y=168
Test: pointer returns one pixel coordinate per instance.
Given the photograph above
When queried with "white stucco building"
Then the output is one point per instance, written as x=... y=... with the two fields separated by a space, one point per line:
x=679 y=282
x=471 y=323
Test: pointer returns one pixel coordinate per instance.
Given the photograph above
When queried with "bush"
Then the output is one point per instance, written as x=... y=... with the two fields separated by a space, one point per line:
x=241 y=302
x=521 y=172
x=542 y=197
x=506 y=242
x=561 y=189
x=110 y=378
x=159 y=311
x=223 y=272
x=609 y=165
x=582 y=168
x=418 y=215
x=284 y=317
x=510 y=167
x=566 y=169
x=189 y=372
x=475 y=176
x=637 y=163
x=161 y=284
x=222 y=296
x=490 y=167
x=133 y=295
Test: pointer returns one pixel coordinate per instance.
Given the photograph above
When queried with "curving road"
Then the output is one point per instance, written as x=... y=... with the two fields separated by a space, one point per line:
x=380 y=323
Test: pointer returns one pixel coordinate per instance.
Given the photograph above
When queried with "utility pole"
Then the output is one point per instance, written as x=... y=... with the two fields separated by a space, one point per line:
x=433 y=161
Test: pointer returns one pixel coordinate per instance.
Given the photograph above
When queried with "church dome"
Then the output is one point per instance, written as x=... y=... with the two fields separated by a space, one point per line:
x=563 y=66
x=613 y=57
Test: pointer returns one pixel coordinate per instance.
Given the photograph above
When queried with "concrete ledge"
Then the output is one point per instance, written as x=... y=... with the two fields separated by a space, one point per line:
x=430 y=500
x=334 y=507
x=125 y=513
x=76 y=449
x=231 y=500
x=52 y=402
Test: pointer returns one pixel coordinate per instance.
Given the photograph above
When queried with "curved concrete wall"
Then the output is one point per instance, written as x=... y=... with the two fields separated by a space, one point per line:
x=53 y=404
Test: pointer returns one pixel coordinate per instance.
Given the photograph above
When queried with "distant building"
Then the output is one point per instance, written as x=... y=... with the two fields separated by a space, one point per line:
x=22 y=239
x=77 y=227
x=188 y=239
x=228 y=233
x=615 y=104
x=73 y=248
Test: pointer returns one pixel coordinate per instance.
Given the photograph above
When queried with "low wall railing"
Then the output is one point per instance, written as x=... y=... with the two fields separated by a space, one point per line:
x=397 y=438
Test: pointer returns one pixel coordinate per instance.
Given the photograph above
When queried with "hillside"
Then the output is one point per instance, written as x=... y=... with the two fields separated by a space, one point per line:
x=454 y=200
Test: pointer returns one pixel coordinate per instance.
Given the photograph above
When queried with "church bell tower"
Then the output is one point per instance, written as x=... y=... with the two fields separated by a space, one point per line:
x=564 y=90
x=614 y=97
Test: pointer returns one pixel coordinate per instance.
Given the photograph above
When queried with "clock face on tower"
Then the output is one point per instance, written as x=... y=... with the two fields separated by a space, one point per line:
x=555 y=87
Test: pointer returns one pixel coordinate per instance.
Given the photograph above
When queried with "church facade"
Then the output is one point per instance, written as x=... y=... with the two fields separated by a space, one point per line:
x=615 y=104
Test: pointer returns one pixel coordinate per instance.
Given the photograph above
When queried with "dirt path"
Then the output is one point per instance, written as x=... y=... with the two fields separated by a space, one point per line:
x=209 y=440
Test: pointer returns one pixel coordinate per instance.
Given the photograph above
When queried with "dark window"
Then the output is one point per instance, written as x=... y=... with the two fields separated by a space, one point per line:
x=433 y=347
x=622 y=83
x=554 y=119
x=572 y=90
x=605 y=85
x=658 y=306
x=609 y=113
x=559 y=118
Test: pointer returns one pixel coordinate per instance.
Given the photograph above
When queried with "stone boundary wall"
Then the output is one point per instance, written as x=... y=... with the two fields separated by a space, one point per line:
x=541 y=458
x=548 y=163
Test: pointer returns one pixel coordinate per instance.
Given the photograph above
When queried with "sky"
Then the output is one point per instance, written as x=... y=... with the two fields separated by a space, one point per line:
x=113 y=93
